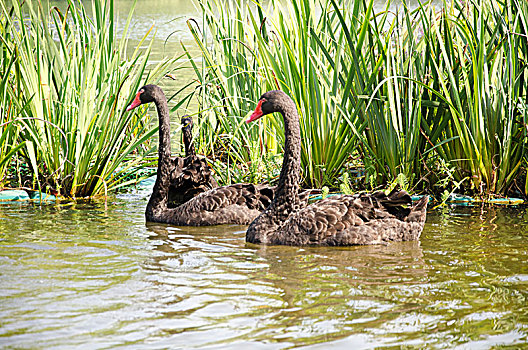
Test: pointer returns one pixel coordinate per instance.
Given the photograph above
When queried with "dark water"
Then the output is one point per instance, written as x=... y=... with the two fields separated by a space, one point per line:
x=79 y=274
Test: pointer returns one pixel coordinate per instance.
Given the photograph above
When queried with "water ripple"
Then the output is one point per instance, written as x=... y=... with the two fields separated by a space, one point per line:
x=78 y=274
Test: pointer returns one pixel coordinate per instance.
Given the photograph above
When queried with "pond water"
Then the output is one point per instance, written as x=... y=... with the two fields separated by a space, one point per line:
x=74 y=274
x=77 y=274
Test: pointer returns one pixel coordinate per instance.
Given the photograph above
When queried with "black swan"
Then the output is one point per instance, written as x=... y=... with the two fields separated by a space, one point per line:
x=342 y=220
x=234 y=204
x=190 y=175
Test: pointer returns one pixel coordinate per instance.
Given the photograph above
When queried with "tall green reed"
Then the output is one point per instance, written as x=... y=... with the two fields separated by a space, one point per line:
x=9 y=124
x=419 y=94
x=481 y=67
x=450 y=82
x=10 y=112
x=76 y=77
x=383 y=86
x=255 y=50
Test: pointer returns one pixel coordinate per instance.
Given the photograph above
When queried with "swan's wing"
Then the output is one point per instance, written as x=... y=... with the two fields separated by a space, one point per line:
x=265 y=195
x=234 y=204
x=192 y=171
x=349 y=220
x=190 y=176
x=238 y=196
x=318 y=221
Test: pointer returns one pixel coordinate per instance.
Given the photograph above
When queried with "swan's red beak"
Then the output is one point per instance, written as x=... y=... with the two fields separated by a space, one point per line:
x=136 y=102
x=257 y=113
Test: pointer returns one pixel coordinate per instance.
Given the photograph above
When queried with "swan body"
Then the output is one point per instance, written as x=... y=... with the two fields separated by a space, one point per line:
x=234 y=204
x=343 y=220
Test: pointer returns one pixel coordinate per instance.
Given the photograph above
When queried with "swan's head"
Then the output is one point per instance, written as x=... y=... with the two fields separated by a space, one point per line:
x=187 y=122
x=146 y=94
x=271 y=101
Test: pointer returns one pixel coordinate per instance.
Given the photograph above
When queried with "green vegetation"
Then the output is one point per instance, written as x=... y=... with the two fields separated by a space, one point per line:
x=9 y=127
x=250 y=55
x=433 y=98
x=66 y=79
x=430 y=98
x=480 y=57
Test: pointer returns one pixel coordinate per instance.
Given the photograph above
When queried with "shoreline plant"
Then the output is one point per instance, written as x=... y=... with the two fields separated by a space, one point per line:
x=421 y=95
x=431 y=97
x=71 y=76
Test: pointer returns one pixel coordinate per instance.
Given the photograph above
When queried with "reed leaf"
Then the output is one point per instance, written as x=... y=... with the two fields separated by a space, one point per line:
x=483 y=74
x=279 y=46
x=76 y=77
x=408 y=91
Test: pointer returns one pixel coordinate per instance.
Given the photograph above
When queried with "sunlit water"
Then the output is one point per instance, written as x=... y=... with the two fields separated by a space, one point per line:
x=78 y=274
x=74 y=275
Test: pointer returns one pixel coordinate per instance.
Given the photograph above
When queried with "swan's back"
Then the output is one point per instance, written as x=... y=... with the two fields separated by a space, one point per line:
x=189 y=177
x=355 y=220
x=234 y=204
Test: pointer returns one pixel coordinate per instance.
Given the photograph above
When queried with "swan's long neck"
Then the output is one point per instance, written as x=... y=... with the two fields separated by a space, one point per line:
x=188 y=141
x=286 y=199
x=158 y=202
x=164 y=128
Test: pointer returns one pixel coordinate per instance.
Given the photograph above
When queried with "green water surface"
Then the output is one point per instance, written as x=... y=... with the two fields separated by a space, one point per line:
x=97 y=276
x=79 y=274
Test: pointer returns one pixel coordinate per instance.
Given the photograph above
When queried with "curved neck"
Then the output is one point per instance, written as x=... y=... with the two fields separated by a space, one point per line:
x=159 y=199
x=188 y=141
x=164 y=148
x=286 y=199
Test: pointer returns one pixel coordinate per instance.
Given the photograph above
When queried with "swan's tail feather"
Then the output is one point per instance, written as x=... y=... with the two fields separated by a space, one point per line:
x=400 y=197
x=419 y=210
x=397 y=202
x=421 y=204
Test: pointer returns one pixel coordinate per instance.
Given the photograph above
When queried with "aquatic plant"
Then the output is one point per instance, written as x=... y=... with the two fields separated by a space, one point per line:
x=75 y=77
x=452 y=81
x=254 y=50
x=10 y=110
x=480 y=66
x=382 y=80
x=402 y=89
x=9 y=127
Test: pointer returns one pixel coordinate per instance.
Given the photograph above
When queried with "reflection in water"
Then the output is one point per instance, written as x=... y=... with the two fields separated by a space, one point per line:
x=74 y=274
x=77 y=274
x=282 y=293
